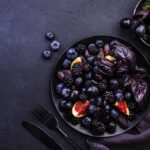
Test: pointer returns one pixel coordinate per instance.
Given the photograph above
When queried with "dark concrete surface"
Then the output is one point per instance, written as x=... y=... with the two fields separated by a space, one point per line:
x=25 y=76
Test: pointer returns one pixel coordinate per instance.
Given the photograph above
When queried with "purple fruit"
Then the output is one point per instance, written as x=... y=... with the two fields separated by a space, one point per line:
x=126 y=23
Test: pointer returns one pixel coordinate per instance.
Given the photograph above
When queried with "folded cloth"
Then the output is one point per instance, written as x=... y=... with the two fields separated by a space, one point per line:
x=136 y=139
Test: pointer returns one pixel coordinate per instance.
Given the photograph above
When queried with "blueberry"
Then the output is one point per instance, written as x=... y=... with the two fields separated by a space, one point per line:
x=66 y=64
x=111 y=127
x=119 y=96
x=66 y=92
x=107 y=108
x=96 y=70
x=74 y=94
x=114 y=84
x=92 y=48
x=50 y=35
x=148 y=29
x=68 y=105
x=86 y=122
x=47 y=54
x=90 y=59
x=88 y=75
x=119 y=91
x=71 y=54
x=128 y=96
x=59 y=88
x=114 y=43
x=114 y=114
x=92 y=101
x=62 y=103
x=99 y=43
x=140 y=30
x=93 y=91
x=92 y=109
x=78 y=81
x=126 y=23
x=99 y=101
x=83 y=90
x=55 y=45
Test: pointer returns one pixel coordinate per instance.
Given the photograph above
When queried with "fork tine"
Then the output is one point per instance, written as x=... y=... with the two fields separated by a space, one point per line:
x=41 y=113
x=44 y=110
x=38 y=116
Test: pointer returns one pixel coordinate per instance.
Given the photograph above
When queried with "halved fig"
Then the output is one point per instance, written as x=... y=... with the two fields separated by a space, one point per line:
x=80 y=109
x=110 y=58
x=77 y=60
x=122 y=107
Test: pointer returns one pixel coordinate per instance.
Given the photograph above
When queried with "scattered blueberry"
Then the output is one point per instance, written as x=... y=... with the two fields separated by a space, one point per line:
x=55 y=45
x=66 y=64
x=66 y=92
x=99 y=43
x=47 y=54
x=126 y=23
x=86 y=122
x=119 y=96
x=59 y=88
x=50 y=35
x=71 y=54
x=92 y=109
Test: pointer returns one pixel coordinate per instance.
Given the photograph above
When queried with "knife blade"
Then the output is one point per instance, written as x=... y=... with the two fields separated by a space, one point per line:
x=41 y=135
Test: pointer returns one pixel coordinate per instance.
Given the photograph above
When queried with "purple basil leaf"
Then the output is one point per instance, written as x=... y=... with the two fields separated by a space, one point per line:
x=140 y=73
x=106 y=66
x=139 y=88
x=122 y=69
x=127 y=80
x=124 y=54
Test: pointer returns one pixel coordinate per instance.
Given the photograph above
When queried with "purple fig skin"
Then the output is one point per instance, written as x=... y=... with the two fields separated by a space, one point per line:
x=106 y=48
x=60 y=75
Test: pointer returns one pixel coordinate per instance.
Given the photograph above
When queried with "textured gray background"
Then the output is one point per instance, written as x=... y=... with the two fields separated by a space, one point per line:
x=25 y=76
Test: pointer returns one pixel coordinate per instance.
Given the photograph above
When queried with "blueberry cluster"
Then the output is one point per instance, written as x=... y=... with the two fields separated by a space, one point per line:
x=54 y=45
x=88 y=95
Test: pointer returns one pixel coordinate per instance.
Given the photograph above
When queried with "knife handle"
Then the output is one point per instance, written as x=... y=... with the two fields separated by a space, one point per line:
x=69 y=140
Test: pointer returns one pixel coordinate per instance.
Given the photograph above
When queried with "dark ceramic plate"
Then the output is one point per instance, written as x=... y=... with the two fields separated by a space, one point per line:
x=138 y=5
x=141 y=62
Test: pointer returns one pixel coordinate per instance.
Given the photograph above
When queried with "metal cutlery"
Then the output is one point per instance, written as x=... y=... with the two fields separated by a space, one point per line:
x=51 y=122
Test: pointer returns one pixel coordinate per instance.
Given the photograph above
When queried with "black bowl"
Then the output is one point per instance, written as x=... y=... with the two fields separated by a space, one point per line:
x=138 y=5
x=141 y=61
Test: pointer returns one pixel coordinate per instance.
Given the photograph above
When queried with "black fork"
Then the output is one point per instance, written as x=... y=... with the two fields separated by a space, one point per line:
x=51 y=122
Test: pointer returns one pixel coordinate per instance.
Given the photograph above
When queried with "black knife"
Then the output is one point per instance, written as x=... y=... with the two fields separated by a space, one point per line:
x=41 y=135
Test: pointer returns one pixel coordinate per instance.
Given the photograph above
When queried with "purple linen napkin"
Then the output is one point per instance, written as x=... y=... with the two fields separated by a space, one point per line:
x=126 y=141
